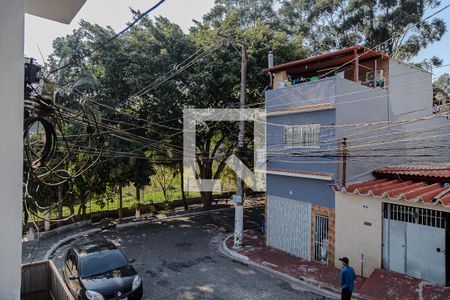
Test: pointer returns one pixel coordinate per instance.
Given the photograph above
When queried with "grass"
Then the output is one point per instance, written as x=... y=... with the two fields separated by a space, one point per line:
x=148 y=195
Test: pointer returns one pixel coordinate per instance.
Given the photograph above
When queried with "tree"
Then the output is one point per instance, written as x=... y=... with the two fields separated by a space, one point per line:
x=443 y=82
x=164 y=177
x=397 y=27
x=92 y=182
x=140 y=172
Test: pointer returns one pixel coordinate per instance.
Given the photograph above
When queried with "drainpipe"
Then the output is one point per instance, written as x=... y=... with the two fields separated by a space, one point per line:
x=344 y=153
x=356 y=70
x=362 y=265
x=270 y=61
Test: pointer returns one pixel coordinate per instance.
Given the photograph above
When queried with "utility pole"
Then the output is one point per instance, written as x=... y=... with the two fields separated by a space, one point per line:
x=239 y=198
x=344 y=162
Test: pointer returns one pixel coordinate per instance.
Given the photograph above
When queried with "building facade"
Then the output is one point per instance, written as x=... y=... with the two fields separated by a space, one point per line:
x=398 y=221
x=357 y=94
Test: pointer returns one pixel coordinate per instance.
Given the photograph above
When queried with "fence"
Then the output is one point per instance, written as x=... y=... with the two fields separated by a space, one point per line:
x=42 y=281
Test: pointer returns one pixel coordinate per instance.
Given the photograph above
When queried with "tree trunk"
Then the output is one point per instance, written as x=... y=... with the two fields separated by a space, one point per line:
x=183 y=194
x=138 y=200
x=72 y=212
x=138 y=194
x=207 y=198
x=120 y=203
x=60 y=202
x=82 y=209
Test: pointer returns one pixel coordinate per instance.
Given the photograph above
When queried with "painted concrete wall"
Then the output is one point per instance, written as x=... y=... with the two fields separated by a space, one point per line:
x=11 y=149
x=285 y=159
x=358 y=104
x=309 y=93
x=289 y=226
x=410 y=91
x=314 y=191
x=353 y=237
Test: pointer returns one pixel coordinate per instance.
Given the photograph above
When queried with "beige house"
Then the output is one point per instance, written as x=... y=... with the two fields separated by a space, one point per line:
x=398 y=221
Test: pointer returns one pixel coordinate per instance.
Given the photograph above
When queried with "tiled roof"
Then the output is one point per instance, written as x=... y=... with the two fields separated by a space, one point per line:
x=442 y=172
x=336 y=57
x=396 y=189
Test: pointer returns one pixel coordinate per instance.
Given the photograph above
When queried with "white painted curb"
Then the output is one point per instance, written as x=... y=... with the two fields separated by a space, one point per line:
x=233 y=253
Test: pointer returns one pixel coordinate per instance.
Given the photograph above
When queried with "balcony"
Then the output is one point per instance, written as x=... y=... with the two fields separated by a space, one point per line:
x=42 y=281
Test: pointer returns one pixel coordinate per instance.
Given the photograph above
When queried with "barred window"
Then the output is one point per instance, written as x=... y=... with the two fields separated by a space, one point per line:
x=302 y=136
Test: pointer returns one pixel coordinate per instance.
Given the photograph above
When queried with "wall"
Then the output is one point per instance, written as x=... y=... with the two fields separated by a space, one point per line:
x=410 y=91
x=353 y=237
x=11 y=149
x=308 y=93
x=314 y=191
x=358 y=104
x=285 y=160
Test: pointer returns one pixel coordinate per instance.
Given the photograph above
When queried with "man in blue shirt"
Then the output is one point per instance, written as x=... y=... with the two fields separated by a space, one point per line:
x=347 y=277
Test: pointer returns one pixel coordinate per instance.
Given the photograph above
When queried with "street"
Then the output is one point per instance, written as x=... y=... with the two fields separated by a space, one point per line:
x=179 y=260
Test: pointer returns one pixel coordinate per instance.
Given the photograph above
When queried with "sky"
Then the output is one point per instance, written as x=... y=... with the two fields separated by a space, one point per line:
x=40 y=33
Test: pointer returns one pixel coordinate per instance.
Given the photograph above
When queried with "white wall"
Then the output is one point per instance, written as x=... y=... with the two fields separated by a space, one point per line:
x=410 y=91
x=11 y=148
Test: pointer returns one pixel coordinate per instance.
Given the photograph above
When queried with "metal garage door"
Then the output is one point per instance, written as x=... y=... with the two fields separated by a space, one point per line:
x=414 y=242
x=289 y=226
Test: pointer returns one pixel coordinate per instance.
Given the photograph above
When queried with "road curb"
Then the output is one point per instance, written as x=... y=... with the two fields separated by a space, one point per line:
x=67 y=239
x=309 y=284
x=233 y=253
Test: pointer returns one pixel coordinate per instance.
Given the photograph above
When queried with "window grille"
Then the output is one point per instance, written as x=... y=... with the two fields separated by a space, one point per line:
x=302 y=136
x=422 y=216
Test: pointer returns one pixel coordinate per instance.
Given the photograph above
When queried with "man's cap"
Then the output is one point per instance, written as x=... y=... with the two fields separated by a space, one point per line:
x=344 y=259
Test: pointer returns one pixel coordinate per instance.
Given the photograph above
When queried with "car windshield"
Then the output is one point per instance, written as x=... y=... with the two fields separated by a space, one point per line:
x=102 y=262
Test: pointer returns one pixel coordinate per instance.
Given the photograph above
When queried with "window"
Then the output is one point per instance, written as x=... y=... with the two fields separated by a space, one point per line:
x=72 y=264
x=102 y=262
x=302 y=136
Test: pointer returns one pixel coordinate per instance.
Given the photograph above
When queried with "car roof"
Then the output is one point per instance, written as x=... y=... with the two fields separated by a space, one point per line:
x=87 y=245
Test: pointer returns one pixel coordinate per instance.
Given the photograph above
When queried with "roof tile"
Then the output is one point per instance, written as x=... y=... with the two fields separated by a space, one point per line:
x=395 y=189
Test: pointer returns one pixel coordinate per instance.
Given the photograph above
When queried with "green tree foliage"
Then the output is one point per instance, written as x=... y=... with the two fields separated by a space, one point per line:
x=443 y=82
x=335 y=24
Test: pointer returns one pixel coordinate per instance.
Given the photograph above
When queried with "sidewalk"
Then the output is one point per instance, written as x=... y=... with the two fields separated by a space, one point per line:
x=382 y=284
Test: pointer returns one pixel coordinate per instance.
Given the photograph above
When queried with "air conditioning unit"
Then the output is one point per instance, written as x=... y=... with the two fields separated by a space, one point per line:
x=374 y=76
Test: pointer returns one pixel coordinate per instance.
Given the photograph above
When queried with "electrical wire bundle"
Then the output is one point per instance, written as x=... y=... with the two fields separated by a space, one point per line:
x=54 y=132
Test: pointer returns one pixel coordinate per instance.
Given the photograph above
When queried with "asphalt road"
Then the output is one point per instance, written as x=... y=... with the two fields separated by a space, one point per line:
x=179 y=260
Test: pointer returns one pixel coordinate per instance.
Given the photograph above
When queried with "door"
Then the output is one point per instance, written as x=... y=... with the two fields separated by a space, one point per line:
x=289 y=226
x=414 y=241
x=433 y=249
x=321 y=239
x=397 y=246
x=72 y=274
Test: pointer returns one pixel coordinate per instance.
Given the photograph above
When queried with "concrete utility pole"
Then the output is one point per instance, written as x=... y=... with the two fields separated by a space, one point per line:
x=239 y=198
